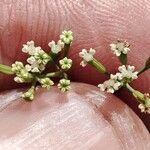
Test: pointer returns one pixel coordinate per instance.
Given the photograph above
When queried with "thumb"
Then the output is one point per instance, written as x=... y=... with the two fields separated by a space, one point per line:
x=70 y=121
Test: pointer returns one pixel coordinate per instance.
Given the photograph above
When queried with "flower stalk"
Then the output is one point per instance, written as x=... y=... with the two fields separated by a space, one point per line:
x=123 y=59
x=125 y=75
x=66 y=37
x=143 y=99
x=53 y=74
x=66 y=49
x=29 y=94
x=34 y=71
x=120 y=49
x=146 y=67
x=6 y=69
x=88 y=58
x=98 y=66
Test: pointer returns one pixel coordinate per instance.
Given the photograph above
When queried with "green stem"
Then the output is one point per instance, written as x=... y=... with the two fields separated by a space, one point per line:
x=65 y=75
x=142 y=70
x=123 y=59
x=6 y=69
x=57 y=74
x=130 y=88
x=98 y=66
x=66 y=49
x=53 y=56
x=146 y=67
x=30 y=91
x=53 y=74
x=60 y=72
x=137 y=94
x=34 y=84
x=52 y=60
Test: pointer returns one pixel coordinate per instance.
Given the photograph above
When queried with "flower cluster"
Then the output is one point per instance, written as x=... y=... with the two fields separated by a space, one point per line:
x=120 y=47
x=144 y=100
x=29 y=95
x=111 y=85
x=46 y=82
x=56 y=48
x=35 y=69
x=65 y=63
x=86 y=56
x=37 y=62
x=125 y=75
x=66 y=37
x=144 y=109
x=22 y=74
x=64 y=85
x=38 y=58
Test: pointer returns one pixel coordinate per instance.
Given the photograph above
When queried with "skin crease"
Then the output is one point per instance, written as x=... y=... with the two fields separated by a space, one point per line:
x=94 y=23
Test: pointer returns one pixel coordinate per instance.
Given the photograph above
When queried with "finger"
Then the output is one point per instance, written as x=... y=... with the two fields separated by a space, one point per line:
x=94 y=23
x=80 y=119
x=26 y=23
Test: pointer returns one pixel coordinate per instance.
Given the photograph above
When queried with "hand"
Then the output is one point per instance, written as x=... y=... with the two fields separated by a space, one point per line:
x=95 y=24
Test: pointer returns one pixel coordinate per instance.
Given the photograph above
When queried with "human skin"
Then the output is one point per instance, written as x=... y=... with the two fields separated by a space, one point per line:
x=94 y=23
x=82 y=118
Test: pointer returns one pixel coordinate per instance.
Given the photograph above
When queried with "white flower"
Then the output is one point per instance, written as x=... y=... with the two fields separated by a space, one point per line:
x=128 y=72
x=86 y=56
x=145 y=106
x=46 y=82
x=37 y=61
x=19 y=79
x=41 y=57
x=66 y=37
x=141 y=107
x=116 y=81
x=41 y=67
x=117 y=76
x=28 y=67
x=29 y=47
x=120 y=47
x=56 y=48
x=29 y=95
x=35 y=69
x=64 y=85
x=110 y=85
x=17 y=66
x=34 y=65
x=125 y=50
x=22 y=74
x=38 y=58
x=31 y=60
x=65 y=63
